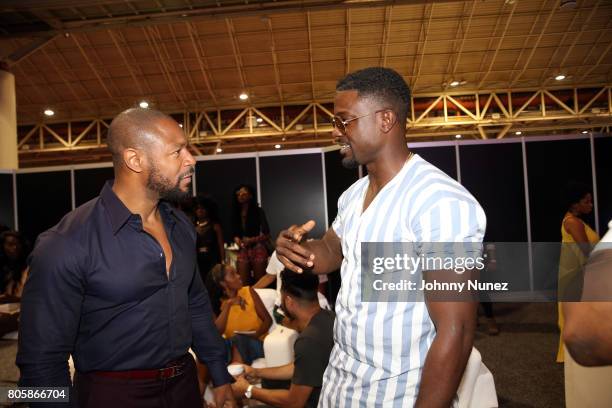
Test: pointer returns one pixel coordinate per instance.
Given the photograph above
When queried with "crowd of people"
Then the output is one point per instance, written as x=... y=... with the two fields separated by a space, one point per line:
x=127 y=284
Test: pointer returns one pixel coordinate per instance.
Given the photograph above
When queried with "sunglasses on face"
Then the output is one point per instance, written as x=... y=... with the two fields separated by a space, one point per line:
x=341 y=125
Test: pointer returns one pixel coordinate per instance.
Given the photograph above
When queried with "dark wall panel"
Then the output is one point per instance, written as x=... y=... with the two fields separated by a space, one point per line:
x=6 y=201
x=493 y=173
x=218 y=179
x=292 y=191
x=550 y=166
x=42 y=200
x=442 y=157
x=89 y=182
x=337 y=179
x=603 y=166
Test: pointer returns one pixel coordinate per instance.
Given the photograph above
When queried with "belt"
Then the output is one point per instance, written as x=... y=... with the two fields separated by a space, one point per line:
x=174 y=369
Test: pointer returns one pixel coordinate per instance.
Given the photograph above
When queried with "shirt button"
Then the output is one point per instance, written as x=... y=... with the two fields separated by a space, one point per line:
x=161 y=255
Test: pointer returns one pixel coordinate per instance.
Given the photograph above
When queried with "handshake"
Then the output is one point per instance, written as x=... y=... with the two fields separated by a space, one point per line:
x=245 y=376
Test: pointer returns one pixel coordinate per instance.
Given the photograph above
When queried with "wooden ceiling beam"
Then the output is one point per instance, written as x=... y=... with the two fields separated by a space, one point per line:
x=277 y=79
x=202 y=61
x=236 y=50
x=312 y=80
x=424 y=32
x=498 y=47
x=526 y=63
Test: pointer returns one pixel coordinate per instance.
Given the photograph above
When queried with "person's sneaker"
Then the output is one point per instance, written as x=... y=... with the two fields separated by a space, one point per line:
x=492 y=327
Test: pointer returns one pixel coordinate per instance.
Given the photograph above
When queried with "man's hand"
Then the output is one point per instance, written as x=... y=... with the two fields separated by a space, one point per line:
x=237 y=300
x=250 y=373
x=224 y=397
x=289 y=251
x=240 y=386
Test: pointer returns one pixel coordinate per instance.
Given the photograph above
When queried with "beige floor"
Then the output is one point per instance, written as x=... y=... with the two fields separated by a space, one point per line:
x=521 y=357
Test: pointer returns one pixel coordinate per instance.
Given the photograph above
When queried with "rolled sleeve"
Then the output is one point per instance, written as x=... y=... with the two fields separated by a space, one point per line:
x=50 y=312
x=207 y=342
x=452 y=227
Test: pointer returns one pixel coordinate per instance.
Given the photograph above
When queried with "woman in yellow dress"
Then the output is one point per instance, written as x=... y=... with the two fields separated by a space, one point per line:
x=240 y=315
x=578 y=239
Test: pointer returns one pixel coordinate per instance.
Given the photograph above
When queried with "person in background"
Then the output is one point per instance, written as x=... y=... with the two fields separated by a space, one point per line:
x=115 y=285
x=588 y=328
x=273 y=271
x=485 y=302
x=13 y=265
x=312 y=348
x=251 y=233
x=209 y=241
x=241 y=316
x=587 y=333
x=577 y=241
x=402 y=199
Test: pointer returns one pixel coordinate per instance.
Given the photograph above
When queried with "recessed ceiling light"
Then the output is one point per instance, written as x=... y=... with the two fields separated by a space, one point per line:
x=219 y=150
x=458 y=136
x=518 y=132
x=259 y=120
x=243 y=96
x=584 y=132
x=277 y=146
x=49 y=112
x=144 y=104
x=560 y=77
x=455 y=83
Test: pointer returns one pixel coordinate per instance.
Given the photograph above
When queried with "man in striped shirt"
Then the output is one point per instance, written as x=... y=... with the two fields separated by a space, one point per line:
x=388 y=354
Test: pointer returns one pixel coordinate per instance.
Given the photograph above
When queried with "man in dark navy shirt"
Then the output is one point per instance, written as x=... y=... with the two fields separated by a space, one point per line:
x=115 y=284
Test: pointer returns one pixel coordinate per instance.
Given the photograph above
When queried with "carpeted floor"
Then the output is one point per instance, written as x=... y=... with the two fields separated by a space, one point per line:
x=521 y=357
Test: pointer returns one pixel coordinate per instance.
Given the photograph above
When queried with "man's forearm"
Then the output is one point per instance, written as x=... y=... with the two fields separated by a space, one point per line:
x=443 y=369
x=587 y=332
x=284 y=372
x=277 y=398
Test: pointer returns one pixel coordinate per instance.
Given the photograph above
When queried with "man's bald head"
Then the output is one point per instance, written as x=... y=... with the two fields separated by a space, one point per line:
x=135 y=128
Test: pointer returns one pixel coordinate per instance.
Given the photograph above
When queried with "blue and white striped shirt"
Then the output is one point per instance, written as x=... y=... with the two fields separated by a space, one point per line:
x=380 y=347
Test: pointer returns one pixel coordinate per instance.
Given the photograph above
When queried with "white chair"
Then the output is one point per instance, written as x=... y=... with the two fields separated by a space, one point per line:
x=268 y=298
x=477 y=387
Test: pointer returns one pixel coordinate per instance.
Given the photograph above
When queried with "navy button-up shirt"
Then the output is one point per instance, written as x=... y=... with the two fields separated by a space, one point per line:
x=98 y=289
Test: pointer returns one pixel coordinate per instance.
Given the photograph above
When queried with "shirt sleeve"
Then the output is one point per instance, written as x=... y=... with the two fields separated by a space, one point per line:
x=451 y=227
x=274 y=265
x=50 y=312
x=338 y=224
x=309 y=364
x=207 y=342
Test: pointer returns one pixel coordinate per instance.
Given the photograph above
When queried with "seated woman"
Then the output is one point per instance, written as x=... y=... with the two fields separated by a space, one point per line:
x=240 y=315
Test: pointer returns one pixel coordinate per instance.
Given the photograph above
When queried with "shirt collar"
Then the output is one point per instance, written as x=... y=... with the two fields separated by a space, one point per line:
x=117 y=211
x=120 y=214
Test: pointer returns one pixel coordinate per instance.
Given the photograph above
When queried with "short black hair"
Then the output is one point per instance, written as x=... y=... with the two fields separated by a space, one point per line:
x=574 y=192
x=301 y=286
x=383 y=84
x=132 y=128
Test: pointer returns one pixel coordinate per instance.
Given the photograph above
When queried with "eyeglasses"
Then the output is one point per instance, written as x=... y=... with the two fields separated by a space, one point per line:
x=340 y=124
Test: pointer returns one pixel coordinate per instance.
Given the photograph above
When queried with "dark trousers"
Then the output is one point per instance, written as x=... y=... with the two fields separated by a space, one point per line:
x=182 y=391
